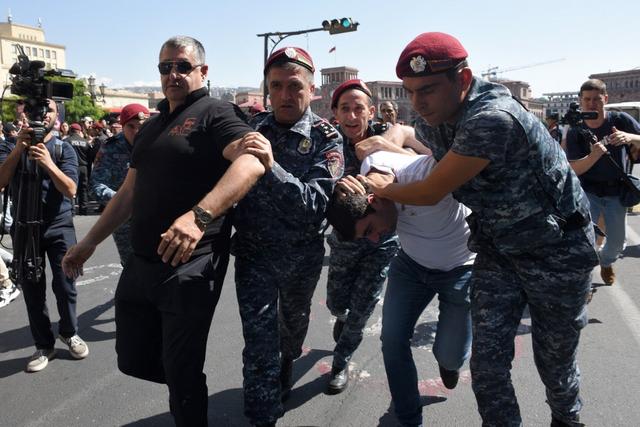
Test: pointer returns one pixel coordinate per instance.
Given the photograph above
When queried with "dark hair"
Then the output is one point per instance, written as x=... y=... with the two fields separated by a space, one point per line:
x=452 y=73
x=182 y=42
x=344 y=210
x=594 y=84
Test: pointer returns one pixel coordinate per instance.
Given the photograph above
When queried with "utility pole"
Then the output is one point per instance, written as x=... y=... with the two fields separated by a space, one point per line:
x=334 y=26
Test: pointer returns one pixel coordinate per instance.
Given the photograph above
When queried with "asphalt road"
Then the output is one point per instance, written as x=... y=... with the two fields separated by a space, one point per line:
x=92 y=392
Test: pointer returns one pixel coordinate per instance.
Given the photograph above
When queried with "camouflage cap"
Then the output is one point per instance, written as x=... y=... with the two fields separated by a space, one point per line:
x=349 y=84
x=290 y=54
x=430 y=53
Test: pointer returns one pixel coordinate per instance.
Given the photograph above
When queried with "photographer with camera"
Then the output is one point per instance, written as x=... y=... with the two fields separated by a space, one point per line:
x=58 y=166
x=612 y=134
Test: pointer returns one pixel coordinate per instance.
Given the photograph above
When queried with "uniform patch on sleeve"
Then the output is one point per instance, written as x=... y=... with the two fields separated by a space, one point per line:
x=335 y=163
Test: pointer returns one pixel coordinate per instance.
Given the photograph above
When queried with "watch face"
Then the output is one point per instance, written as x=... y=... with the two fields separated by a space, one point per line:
x=202 y=215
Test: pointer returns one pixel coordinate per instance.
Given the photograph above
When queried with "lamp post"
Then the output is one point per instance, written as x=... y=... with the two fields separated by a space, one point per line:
x=91 y=84
x=334 y=26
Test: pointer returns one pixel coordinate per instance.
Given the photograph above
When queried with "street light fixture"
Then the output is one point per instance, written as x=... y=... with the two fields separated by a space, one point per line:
x=334 y=26
x=91 y=85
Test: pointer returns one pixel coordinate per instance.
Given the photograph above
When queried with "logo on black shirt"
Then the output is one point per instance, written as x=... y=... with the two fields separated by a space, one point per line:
x=183 y=129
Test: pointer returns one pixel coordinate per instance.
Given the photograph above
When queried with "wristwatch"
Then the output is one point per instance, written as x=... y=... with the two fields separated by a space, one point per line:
x=203 y=217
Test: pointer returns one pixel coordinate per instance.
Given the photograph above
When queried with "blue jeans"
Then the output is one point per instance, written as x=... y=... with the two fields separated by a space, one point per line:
x=614 y=220
x=410 y=289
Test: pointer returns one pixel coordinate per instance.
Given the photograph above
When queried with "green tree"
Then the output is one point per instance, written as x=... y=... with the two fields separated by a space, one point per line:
x=9 y=108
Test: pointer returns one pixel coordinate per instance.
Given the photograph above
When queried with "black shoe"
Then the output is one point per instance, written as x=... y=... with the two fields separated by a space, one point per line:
x=337 y=329
x=286 y=378
x=338 y=381
x=559 y=423
x=265 y=425
x=449 y=378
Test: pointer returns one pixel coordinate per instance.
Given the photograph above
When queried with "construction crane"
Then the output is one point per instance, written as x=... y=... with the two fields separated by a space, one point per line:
x=491 y=73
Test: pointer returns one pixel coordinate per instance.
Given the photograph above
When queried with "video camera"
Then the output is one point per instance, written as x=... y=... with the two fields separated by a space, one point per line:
x=574 y=117
x=29 y=80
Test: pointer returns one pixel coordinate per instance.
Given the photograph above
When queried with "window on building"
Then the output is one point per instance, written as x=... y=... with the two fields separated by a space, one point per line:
x=53 y=54
x=27 y=50
x=41 y=53
x=47 y=54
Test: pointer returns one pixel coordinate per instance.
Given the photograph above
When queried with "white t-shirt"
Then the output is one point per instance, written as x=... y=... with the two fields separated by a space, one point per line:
x=433 y=236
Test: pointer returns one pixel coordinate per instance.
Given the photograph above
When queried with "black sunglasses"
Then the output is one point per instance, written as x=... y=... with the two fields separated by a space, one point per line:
x=182 y=67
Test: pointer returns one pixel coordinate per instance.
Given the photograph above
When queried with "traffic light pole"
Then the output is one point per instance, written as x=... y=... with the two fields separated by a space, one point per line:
x=281 y=36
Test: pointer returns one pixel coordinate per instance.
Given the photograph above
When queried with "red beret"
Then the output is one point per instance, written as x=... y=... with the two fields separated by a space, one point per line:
x=98 y=125
x=133 y=111
x=349 y=84
x=430 y=53
x=290 y=54
x=76 y=126
x=256 y=108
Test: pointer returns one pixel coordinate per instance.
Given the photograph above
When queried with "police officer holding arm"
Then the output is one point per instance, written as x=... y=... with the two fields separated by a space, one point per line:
x=530 y=224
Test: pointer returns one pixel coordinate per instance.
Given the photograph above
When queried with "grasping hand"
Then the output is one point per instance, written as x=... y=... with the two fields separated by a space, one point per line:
x=618 y=137
x=257 y=144
x=351 y=185
x=179 y=241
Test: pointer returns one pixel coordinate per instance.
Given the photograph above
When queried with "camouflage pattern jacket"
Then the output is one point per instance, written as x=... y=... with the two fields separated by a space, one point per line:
x=528 y=192
x=288 y=203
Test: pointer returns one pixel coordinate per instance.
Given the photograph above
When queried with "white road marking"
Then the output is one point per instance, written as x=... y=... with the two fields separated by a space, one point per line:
x=626 y=306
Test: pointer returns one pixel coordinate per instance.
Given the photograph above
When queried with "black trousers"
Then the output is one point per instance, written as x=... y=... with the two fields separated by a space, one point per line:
x=83 y=189
x=58 y=236
x=163 y=316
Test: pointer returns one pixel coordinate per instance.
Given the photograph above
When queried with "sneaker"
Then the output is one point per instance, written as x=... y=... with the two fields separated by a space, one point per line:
x=40 y=359
x=9 y=294
x=449 y=378
x=607 y=274
x=77 y=347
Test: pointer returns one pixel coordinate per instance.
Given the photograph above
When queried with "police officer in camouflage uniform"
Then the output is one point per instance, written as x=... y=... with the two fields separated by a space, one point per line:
x=530 y=224
x=357 y=268
x=111 y=167
x=279 y=244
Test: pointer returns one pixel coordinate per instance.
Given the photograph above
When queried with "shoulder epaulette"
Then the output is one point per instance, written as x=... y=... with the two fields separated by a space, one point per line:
x=326 y=128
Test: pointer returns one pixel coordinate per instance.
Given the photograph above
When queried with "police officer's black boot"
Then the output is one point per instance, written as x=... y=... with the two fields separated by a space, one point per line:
x=339 y=380
x=337 y=329
x=559 y=423
x=449 y=378
x=286 y=378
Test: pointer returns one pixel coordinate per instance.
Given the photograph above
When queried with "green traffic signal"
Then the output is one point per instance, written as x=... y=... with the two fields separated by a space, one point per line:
x=338 y=26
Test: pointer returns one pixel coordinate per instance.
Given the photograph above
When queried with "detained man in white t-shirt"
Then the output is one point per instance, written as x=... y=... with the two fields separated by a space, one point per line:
x=434 y=260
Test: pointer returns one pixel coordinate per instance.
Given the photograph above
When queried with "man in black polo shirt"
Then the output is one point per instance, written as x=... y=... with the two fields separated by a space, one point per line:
x=179 y=186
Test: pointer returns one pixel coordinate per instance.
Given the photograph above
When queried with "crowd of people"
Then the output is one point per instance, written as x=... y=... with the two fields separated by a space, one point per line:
x=476 y=203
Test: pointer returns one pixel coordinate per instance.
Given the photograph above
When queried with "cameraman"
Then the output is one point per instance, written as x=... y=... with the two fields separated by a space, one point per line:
x=614 y=132
x=59 y=170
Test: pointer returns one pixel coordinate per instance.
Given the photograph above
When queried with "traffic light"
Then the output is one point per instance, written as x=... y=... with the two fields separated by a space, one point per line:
x=342 y=25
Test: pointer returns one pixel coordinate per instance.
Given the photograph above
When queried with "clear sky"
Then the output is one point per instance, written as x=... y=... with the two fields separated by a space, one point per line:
x=118 y=41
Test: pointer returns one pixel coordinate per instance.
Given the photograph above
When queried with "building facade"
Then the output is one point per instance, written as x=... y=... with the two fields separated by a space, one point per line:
x=393 y=91
x=622 y=86
x=35 y=47
x=558 y=102
x=522 y=92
